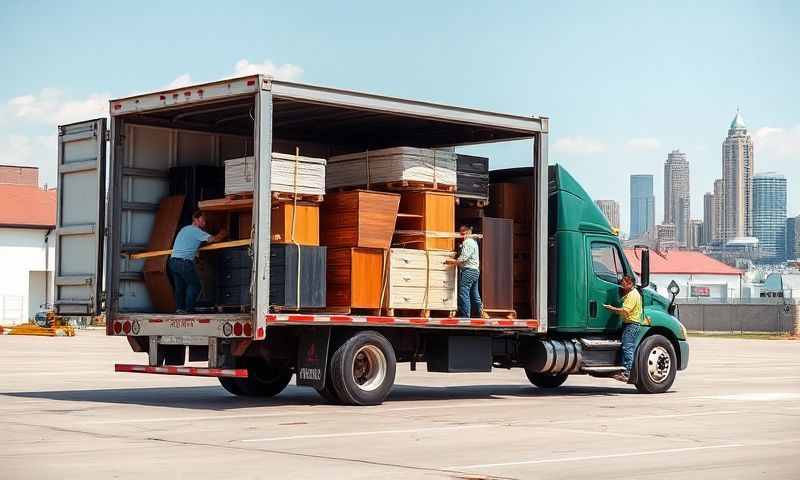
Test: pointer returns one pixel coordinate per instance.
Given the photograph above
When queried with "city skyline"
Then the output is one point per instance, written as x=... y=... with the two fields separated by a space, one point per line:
x=677 y=203
x=642 y=206
x=738 y=168
x=769 y=213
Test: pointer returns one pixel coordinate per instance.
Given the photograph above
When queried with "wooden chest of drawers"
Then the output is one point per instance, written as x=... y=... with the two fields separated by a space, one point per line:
x=420 y=280
x=306 y=228
x=430 y=213
x=359 y=218
x=287 y=274
x=355 y=277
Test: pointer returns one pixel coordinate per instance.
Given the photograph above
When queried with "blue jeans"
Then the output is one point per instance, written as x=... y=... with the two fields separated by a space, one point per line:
x=185 y=282
x=630 y=332
x=469 y=296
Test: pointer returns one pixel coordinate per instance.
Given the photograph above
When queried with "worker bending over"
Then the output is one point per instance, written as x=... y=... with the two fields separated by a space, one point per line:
x=468 y=261
x=181 y=266
x=632 y=317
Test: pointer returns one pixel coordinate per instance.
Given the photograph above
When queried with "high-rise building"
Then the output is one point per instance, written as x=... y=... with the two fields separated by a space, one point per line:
x=792 y=244
x=643 y=206
x=769 y=214
x=719 y=192
x=677 y=208
x=695 y=239
x=737 y=177
x=610 y=209
x=708 y=218
x=665 y=236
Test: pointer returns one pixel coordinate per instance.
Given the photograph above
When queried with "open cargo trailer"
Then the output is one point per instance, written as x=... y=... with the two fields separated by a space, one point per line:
x=347 y=358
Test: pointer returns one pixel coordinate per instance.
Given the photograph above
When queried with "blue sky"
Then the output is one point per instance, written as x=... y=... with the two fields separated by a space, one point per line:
x=624 y=83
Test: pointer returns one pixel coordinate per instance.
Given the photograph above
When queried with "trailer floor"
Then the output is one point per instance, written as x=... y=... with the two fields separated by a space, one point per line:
x=64 y=413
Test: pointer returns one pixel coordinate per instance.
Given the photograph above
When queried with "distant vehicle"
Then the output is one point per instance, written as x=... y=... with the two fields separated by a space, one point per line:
x=575 y=260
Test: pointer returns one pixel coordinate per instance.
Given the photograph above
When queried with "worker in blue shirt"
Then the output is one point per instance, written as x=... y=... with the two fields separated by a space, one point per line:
x=468 y=261
x=181 y=266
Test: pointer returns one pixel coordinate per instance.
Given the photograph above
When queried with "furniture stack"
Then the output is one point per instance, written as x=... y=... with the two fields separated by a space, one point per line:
x=473 y=180
x=426 y=220
x=290 y=174
x=393 y=168
x=513 y=201
x=421 y=280
x=357 y=227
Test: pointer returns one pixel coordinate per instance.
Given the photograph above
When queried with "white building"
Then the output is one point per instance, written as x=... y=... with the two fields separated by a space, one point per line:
x=27 y=250
x=698 y=276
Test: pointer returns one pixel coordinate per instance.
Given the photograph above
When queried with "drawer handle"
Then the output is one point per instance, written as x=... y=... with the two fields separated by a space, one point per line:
x=406 y=278
x=406 y=299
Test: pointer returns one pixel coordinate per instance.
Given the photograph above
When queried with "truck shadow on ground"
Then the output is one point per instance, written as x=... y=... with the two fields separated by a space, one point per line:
x=214 y=398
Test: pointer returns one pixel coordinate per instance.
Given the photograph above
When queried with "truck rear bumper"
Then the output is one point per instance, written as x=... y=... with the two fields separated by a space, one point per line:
x=683 y=353
x=187 y=371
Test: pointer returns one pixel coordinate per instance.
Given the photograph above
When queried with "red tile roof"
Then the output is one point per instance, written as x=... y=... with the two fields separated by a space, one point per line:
x=27 y=206
x=683 y=261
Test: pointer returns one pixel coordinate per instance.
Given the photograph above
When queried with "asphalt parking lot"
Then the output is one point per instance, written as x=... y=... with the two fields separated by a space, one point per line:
x=64 y=413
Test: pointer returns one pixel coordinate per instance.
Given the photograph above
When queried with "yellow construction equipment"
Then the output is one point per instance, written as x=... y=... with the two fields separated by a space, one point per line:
x=55 y=326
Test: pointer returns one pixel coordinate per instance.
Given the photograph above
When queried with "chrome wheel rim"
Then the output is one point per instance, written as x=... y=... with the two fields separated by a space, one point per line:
x=659 y=364
x=369 y=367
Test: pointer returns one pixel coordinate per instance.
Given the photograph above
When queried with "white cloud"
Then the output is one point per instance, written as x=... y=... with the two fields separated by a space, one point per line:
x=180 y=81
x=642 y=144
x=31 y=150
x=52 y=106
x=781 y=143
x=579 y=145
x=286 y=71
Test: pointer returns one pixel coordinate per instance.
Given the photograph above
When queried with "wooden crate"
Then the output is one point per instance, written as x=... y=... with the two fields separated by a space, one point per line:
x=427 y=212
x=420 y=280
x=359 y=218
x=355 y=277
x=306 y=228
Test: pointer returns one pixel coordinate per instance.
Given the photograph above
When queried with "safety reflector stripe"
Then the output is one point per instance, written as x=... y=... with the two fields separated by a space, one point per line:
x=188 y=371
x=279 y=319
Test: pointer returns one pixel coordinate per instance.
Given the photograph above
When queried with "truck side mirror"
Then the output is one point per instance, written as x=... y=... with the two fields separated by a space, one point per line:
x=644 y=278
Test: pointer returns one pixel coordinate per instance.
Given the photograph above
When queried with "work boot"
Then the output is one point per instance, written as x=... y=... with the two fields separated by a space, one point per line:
x=622 y=377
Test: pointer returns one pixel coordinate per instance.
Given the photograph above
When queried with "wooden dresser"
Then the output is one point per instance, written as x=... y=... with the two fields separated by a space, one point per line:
x=306 y=228
x=355 y=277
x=428 y=212
x=420 y=280
x=359 y=218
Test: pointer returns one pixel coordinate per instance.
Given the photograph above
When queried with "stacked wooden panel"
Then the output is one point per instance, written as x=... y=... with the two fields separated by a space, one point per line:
x=305 y=229
x=156 y=276
x=355 y=278
x=403 y=165
x=290 y=174
x=497 y=262
x=426 y=220
x=359 y=218
x=473 y=178
x=513 y=201
x=297 y=276
x=420 y=280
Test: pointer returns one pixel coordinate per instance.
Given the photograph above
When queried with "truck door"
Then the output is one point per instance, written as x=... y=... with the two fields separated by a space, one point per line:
x=80 y=217
x=605 y=270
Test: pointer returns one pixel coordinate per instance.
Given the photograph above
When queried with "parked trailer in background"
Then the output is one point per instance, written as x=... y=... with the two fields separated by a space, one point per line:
x=576 y=259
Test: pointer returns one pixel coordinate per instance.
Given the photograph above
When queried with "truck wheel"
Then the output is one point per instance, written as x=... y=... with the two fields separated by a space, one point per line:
x=363 y=369
x=656 y=364
x=262 y=380
x=546 y=380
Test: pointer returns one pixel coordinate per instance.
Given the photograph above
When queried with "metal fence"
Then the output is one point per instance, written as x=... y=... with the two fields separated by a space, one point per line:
x=742 y=316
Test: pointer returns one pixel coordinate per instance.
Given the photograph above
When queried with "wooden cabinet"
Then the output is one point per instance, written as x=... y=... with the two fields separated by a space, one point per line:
x=427 y=214
x=297 y=270
x=359 y=218
x=473 y=177
x=156 y=276
x=355 y=277
x=497 y=261
x=420 y=280
x=306 y=228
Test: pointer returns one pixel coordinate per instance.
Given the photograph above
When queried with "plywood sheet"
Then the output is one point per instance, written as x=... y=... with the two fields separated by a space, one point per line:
x=392 y=165
x=309 y=178
x=156 y=277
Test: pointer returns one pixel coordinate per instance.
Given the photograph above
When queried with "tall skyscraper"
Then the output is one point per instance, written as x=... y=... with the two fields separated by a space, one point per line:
x=665 y=236
x=708 y=218
x=719 y=192
x=677 y=208
x=737 y=177
x=769 y=214
x=695 y=238
x=792 y=249
x=610 y=209
x=643 y=206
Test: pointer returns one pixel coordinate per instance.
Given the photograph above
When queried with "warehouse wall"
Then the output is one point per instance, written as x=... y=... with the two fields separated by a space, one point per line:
x=741 y=317
x=22 y=251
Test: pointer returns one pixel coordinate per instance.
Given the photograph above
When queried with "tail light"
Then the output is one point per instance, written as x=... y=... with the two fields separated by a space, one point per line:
x=117 y=328
x=237 y=329
x=248 y=330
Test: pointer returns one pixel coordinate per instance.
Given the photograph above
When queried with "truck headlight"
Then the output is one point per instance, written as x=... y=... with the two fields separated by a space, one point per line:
x=683 y=330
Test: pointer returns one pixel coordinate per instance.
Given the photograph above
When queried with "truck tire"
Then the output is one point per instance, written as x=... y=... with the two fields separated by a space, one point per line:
x=546 y=380
x=363 y=369
x=656 y=364
x=262 y=381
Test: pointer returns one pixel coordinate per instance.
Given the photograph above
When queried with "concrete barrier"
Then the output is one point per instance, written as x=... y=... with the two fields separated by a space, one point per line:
x=741 y=317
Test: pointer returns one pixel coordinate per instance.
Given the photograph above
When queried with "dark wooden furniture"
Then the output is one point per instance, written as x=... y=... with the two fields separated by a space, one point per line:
x=359 y=218
x=430 y=213
x=497 y=261
x=297 y=270
x=234 y=268
x=356 y=277
x=196 y=183
x=472 y=175
x=156 y=277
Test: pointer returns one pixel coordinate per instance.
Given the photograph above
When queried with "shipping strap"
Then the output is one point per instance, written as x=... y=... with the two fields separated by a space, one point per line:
x=294 y=225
